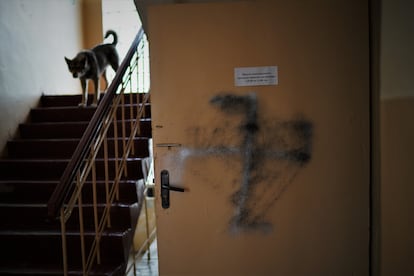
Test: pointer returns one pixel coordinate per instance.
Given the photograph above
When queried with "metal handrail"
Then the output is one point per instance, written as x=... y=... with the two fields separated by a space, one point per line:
x=66 y=184
x=67 y=194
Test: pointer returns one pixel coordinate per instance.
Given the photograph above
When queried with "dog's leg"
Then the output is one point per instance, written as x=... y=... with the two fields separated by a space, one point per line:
x=105 y=79
x=113 y=59
x=84 y=84
x=115 y=64
x=97 y=91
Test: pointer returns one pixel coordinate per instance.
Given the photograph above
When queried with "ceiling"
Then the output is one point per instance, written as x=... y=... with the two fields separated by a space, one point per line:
x=142 y=6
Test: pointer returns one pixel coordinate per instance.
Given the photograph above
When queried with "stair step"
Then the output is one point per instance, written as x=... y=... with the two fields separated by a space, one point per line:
x=56 y=270
x=61 y=114
x=28 y=248
x=65 y=100
x=76 y=114
x=74 y=100
x=30 y=240
x=29 y=169
x=58 y=130
x=34 y=217
x=39 y=192
x=64 y=148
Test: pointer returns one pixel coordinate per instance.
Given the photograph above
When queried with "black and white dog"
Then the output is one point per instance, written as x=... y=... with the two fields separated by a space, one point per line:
x=91 y=64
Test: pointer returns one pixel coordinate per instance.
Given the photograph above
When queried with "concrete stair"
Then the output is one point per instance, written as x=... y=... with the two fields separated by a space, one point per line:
x=30 y=241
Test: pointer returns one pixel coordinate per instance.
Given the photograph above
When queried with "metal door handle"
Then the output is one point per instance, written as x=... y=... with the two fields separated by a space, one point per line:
x=166 y=188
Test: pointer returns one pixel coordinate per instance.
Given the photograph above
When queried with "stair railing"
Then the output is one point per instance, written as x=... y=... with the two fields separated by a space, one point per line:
x=128 y=82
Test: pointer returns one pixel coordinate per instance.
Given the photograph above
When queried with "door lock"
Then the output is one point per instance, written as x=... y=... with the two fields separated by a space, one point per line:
x=166 y=188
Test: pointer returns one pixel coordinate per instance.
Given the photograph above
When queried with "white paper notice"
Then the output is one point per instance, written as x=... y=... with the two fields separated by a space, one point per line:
x=253 y=76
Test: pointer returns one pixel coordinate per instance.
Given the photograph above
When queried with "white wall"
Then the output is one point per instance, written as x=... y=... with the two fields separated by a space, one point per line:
x=121 y=16
x=35 y=36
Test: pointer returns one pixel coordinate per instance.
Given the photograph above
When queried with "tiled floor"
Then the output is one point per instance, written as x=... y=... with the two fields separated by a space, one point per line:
x=146 y=261
x=148 y=264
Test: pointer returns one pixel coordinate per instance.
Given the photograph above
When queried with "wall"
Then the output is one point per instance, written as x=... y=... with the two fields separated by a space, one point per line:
x=397 y=137
x=35 y=36
x=91 y=11
x=122 y=17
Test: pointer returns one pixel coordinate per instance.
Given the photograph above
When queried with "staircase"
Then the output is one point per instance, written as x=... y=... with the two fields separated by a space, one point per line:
x=30 y=240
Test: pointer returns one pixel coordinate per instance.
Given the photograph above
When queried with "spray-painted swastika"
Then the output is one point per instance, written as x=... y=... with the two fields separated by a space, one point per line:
x=289 y=141
x=271 y=152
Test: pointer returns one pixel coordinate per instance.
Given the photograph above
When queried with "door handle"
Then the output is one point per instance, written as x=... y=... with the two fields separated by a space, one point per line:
x=166 y=188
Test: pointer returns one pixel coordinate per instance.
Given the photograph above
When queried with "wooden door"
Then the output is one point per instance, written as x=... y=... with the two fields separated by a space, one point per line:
x=261 y=113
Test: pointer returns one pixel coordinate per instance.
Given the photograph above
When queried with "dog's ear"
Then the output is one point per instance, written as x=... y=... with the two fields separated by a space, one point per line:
x=67 y=60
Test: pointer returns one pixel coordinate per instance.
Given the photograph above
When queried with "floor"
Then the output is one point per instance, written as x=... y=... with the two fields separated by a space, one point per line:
x=147 y=265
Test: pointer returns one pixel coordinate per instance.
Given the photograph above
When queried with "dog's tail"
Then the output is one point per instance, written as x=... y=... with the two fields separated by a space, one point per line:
x=113 y=33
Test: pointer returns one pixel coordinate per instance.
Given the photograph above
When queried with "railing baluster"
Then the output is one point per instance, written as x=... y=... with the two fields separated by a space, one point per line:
x=116 y=148
x=123 y=124
x=140 y=103
x=131 y=118
x=108 y=203
x=95 y=209
x=81 y=228
x=64 y=246
x=82 y=167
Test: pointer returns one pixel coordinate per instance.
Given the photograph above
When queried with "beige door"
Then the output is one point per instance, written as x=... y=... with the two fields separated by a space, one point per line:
x=261 y=113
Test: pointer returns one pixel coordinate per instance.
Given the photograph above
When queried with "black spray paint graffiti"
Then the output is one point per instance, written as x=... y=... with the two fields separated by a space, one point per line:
x=245 y=105
x=293 y=144
x=271 y=153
